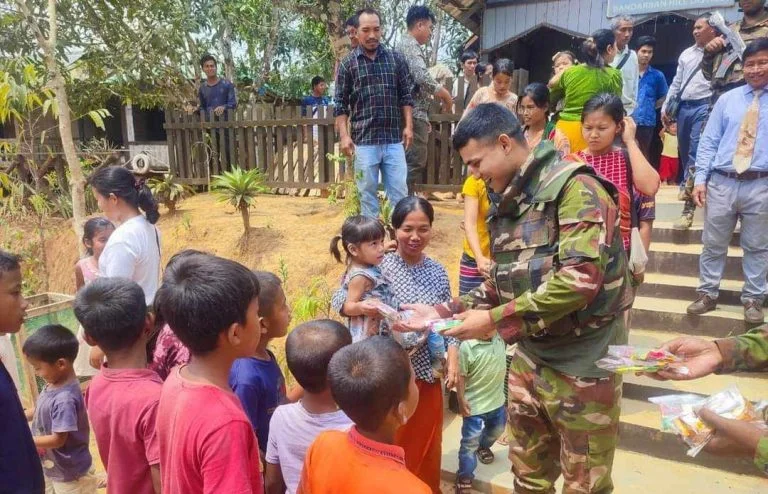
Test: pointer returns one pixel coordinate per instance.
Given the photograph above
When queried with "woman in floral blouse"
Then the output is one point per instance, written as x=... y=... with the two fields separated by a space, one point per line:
x=499 y=90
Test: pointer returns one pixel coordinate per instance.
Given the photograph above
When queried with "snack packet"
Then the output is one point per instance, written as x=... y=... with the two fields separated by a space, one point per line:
x=440 y=325
x=622 y=359
x=679 y=414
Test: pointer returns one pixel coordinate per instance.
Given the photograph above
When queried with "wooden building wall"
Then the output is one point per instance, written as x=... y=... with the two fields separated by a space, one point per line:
x=505 y=23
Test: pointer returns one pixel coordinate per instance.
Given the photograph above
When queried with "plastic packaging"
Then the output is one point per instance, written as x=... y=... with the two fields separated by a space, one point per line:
x=440 y=325
x=679 y=414
x=622 y=359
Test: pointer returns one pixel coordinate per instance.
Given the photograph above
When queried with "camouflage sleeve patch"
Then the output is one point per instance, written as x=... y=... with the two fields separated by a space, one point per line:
x=483 y=297
x=572 y=287
x=747 y=352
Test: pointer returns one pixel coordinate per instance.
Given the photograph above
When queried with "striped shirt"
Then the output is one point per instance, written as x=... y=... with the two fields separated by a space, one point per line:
x=372 y=93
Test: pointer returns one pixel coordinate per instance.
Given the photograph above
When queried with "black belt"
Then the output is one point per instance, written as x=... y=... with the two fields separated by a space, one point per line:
x=747 y=175
x=695 y=102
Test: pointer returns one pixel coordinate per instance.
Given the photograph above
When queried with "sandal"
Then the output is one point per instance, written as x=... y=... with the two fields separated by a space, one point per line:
x=462 y=486
x=485 y=456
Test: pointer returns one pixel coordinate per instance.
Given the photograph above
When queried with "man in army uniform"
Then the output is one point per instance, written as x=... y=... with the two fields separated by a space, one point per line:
x=715 y=65
x=748 y=352
x=558 y=287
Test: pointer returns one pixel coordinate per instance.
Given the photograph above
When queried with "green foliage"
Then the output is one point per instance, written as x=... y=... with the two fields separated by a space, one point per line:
x=283 y=270
x=239 y=189
x=346 y=189
x=313 y=302
x=169 y=192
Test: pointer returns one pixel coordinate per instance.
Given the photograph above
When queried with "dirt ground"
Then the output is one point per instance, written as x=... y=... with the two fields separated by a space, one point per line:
x=292 y=231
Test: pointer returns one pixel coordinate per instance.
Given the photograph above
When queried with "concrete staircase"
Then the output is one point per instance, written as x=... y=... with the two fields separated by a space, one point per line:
x=648 y=458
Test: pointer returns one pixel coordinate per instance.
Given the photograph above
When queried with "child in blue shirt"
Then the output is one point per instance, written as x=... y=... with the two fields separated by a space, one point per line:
x=258 y=380
x=60 y=424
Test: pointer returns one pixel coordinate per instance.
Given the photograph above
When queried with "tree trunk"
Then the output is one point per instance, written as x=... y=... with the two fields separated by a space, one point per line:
x=246 y=214
x=225 y=45
x=269 y=48
x=436 y=39
x=57 y=84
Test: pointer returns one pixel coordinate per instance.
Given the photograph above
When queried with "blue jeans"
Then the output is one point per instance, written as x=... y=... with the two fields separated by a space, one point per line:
x=389 y=159
x=479 y=431
x=690 y=122
x=436 y=344
x=727 y=201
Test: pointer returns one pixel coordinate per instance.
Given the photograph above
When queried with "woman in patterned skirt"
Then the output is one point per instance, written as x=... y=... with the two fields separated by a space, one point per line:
x=415 y=278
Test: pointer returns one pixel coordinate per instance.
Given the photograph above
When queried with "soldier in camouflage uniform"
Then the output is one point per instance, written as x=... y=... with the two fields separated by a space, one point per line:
x=725 y=74
x=558 y=286
x=716 y=67
x=747 y=352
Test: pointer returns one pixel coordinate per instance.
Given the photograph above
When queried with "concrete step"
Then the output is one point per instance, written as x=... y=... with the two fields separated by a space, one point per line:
x=663 y=231
x=670 y=286
x=669 y=258
x=633 y=472
x=671 y=211
x=667 y=315
x=639 y=432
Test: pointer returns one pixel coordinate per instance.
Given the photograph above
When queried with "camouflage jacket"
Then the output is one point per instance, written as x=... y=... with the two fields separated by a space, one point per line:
x=748 y=352
x=734 y=76
x=560 y=279
x=424 y=85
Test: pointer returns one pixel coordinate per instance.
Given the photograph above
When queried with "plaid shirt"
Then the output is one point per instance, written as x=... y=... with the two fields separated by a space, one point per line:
x=372 y=93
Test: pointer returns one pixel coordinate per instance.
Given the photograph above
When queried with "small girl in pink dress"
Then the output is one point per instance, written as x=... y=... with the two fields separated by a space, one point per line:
x=95 y=235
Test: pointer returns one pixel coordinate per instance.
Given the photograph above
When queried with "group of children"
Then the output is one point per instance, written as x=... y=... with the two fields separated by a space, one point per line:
x=191 y=433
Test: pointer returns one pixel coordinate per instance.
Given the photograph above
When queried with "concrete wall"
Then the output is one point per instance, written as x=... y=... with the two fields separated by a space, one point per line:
x=577 y=17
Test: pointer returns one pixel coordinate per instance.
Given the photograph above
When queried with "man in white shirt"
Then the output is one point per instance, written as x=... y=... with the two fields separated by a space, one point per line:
x=694 y=93
x=626 y=61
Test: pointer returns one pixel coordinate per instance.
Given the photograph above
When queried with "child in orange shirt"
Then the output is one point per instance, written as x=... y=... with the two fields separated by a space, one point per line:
x=373 y=383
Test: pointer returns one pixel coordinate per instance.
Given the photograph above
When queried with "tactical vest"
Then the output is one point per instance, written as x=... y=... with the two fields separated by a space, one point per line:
x=525 y=246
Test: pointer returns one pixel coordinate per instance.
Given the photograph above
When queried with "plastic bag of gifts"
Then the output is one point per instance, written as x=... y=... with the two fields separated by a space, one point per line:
x=679 y=414
x=622 y=359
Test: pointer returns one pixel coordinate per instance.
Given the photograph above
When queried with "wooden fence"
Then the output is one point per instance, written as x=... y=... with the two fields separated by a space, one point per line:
x=292 y=148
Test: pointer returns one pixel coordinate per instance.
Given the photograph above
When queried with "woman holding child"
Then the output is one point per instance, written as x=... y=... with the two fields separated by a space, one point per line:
x=416 y=278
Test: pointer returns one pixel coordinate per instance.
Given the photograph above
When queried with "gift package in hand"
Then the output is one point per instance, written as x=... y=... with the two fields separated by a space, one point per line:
x=679 y=414
x=622 y=359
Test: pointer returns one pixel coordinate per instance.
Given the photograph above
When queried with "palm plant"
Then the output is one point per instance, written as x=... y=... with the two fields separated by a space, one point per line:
x=168 y=191
x=239 y=188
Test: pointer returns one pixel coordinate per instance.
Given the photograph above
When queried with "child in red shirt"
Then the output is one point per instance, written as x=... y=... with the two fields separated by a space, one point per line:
x=373 y=383
x=207 y=444
x=122 y=399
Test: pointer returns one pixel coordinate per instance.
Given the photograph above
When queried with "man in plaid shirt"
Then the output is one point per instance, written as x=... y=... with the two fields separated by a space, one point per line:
x=373 y=90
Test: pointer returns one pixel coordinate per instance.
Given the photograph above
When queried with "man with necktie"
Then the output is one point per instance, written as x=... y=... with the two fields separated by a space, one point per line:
x=732 y=181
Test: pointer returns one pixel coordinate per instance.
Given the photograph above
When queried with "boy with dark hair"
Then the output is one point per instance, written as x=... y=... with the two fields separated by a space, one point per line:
x=482 y=370
x=60 y=423
x=215 y=94
x=122 y=399
x=309 y=349
x=257 y=379
x=206 y=441
x=20 y=468
x=373 y=383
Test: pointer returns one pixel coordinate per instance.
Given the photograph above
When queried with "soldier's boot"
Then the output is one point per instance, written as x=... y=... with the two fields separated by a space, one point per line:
x=686 y=219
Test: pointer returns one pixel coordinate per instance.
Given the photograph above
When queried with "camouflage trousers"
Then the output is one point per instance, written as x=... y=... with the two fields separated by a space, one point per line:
x=561 y=424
